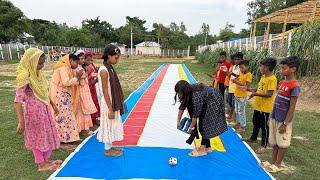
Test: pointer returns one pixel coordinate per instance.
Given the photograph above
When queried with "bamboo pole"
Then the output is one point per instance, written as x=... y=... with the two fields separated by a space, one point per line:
x=284 y=29
x=251 y=30
x=1 y=52
x=314 y=11
x=266 y=36
x=10 y=54
x=246 y=44
x=270 y=44
x=18 y=53
x=254 y=36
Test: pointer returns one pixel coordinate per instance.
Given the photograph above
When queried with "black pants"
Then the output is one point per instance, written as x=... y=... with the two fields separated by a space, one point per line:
x=194 y=135
x=205 y=142
x=260 y=121
x=222 y=89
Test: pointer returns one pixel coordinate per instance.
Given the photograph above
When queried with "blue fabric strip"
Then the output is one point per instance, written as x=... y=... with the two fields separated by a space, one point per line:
x=192 y=80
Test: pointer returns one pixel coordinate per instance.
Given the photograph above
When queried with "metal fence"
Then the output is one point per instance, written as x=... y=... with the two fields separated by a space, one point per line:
x=15 y=51
x=274 y=43
x=162 y=53
x=175 y=52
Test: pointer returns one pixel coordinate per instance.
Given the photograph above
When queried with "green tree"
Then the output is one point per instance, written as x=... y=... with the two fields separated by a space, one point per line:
x=46 y=32
x=174 y=27
x=183 y=27
x=244 y=33
x=12 y=22
x=102 y=28
x=83 y=38
x=139 y=31
x=161 y=33
x=198 y=39
x=177 y=38
x=205 y=30
x=172 y=36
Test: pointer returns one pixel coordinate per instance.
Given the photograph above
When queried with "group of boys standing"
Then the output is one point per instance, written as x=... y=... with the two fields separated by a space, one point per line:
x=273 y=107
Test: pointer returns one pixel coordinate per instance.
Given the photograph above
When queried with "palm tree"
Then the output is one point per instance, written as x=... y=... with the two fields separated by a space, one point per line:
x=205 y=30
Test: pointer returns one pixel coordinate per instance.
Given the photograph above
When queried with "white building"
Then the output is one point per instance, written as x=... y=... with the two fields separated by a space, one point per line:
x=148 y=48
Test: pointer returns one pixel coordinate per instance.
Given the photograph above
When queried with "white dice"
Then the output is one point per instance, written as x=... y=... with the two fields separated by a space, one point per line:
x=173 y=161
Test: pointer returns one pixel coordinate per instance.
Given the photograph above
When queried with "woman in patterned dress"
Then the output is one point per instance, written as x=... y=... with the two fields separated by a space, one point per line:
x=203 y=103
x=62 y=83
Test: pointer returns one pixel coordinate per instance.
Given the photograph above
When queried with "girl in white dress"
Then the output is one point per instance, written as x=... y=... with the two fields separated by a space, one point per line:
x=111 y=102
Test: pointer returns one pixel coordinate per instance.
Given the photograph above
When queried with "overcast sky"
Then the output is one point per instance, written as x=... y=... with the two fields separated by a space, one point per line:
x=192 y=12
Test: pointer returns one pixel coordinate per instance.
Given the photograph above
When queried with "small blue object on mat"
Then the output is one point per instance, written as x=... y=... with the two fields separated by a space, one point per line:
x=184 y=124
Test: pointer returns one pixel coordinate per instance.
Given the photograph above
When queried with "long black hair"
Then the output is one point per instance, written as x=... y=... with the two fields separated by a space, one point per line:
x=110 y=50
x=74 y=57
x=186 y=90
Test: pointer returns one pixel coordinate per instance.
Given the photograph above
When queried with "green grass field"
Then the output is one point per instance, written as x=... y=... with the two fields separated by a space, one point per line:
x=17 y=163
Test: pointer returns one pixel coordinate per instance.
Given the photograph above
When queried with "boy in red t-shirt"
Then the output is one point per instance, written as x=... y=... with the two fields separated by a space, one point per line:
x=221 y=73
x=223 y=69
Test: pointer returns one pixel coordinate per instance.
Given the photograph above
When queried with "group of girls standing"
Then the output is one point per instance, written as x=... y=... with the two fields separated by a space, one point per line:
x=80 y=95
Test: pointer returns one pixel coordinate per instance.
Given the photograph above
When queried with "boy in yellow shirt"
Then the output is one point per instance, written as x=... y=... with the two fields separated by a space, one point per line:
x=264 y=97
x=241 y=94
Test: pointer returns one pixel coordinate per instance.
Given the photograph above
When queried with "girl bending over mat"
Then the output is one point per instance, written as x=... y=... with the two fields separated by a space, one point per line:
x=206 y=108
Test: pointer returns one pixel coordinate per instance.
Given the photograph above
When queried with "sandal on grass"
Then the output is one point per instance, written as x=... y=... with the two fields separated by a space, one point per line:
x=273 y=168
x=265 y=164
x=196 y=153
x=285 y=167
x=58 y=162
x=67 y=147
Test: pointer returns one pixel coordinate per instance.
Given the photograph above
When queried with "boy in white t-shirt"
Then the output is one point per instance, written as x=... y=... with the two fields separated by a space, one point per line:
x=233 y=74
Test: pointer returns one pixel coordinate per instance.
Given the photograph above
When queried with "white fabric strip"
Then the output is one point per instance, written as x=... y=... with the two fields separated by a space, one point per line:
x=161 y=127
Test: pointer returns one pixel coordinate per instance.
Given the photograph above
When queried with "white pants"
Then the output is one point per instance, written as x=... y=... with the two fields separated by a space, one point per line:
x=107 y=146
